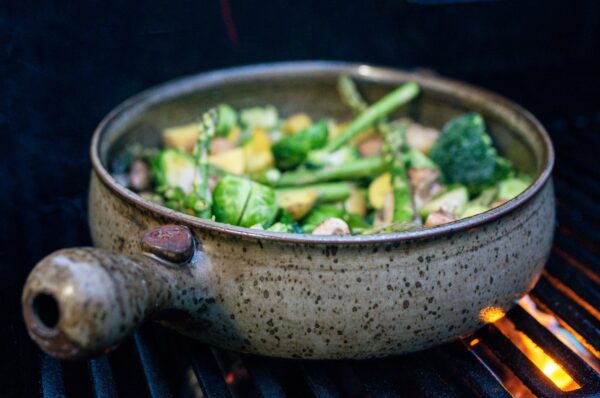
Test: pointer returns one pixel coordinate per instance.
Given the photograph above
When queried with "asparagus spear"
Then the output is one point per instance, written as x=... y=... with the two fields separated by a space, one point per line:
x=361 y=168
x=327 y=192
x=201 y=196
x=394 y=135
x=381 y=108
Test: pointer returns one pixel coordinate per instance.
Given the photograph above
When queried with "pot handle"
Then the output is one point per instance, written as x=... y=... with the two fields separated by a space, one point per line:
x=82 y=301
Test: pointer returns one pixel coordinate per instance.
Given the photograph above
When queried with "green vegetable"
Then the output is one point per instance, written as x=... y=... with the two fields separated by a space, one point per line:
x=453 y=201
x=350 y=95
x=267 y=177
x=287 y=219
x=281 y=227
x=266 y=117
x=290 y=151
x=239 y=201
x=417 y=159
x=481 y=203
x=512 y=187
x=465 y=154
x=395 y=137
x=356 y=223
x=361 y=168
x=326 y=192
x=381 y=108
x=320 y=214
x=227 y=119
x=344 y=155
x=172 y=168
x=208 y=126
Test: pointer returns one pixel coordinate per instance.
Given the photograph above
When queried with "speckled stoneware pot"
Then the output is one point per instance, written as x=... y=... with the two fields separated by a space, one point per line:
x=286 y=295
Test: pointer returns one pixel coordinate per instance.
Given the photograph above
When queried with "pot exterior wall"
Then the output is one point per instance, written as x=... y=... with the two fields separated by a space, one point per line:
x=343 y=301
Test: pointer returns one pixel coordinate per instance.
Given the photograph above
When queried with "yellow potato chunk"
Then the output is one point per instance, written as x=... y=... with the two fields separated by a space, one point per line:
x=232 y=161
x=378 y=188
x=356 y=203
x=297 y=202
x=181 y=137
x=258 y=155
x=296 y=122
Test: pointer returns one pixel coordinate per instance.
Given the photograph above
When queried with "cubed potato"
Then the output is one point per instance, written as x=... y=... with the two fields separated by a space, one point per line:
x=356 y=203
x=296 y=122
x=258 y=155
x=378 y=188
x=232 y=161
x=297 y=202
x=181 y=137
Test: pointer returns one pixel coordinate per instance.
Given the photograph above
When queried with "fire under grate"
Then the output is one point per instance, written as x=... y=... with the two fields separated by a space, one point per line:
x=547 y=346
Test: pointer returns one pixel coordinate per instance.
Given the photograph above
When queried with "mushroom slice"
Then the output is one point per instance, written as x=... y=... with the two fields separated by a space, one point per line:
x=439 y=217
x=139 y=176
x=420 y=137
x=424 y=185
x=332 y=226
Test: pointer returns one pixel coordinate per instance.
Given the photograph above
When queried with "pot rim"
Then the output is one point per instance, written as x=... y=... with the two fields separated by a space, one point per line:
x=195 y=82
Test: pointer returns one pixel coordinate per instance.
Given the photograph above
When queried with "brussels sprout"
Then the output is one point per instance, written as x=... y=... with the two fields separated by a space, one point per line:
x=290 y=151
x=512 y=187
x=481 y=203
x=173 y=168
x=453 y=201
x=261 y=206
x=239 y=201
x=227 y=119
x=266 y=117
x=229 y=199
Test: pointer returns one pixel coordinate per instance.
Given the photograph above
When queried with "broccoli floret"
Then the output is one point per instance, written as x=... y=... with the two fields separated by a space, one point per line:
x=466 y=155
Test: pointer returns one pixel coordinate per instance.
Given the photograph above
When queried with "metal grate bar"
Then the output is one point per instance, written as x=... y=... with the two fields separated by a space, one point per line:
x=560 y=273
x=265 y=381
x=570 y=194
x=580 y=320
x=575 y=366
x=464 y=366
x=102 y=378
x=207 y=372
x=155 y=378
x=319 y=380
x=52 y=383
x=564 y=172
x=410 y=374
x=510 y=355
x=374 y=379
x=576 y=222
x=577 y=255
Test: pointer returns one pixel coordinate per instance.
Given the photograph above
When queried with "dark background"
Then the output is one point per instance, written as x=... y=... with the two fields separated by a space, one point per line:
x=63 y=66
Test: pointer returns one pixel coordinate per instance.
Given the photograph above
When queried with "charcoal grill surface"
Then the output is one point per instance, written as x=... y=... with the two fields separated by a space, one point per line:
x=158 y=363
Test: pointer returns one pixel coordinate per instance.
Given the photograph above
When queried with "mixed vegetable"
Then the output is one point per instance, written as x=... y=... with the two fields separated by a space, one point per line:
x=375 y=174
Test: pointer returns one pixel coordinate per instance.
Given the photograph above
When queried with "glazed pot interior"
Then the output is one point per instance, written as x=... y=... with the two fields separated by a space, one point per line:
x=314 y=91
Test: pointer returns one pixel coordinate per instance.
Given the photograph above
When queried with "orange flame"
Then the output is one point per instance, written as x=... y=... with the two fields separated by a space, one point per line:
x=537 y=356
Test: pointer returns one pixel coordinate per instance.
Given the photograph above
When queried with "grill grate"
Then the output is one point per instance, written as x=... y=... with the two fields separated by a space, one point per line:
x=488 y=364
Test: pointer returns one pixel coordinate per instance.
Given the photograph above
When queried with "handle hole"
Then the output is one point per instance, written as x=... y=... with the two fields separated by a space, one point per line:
x=45 y=309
